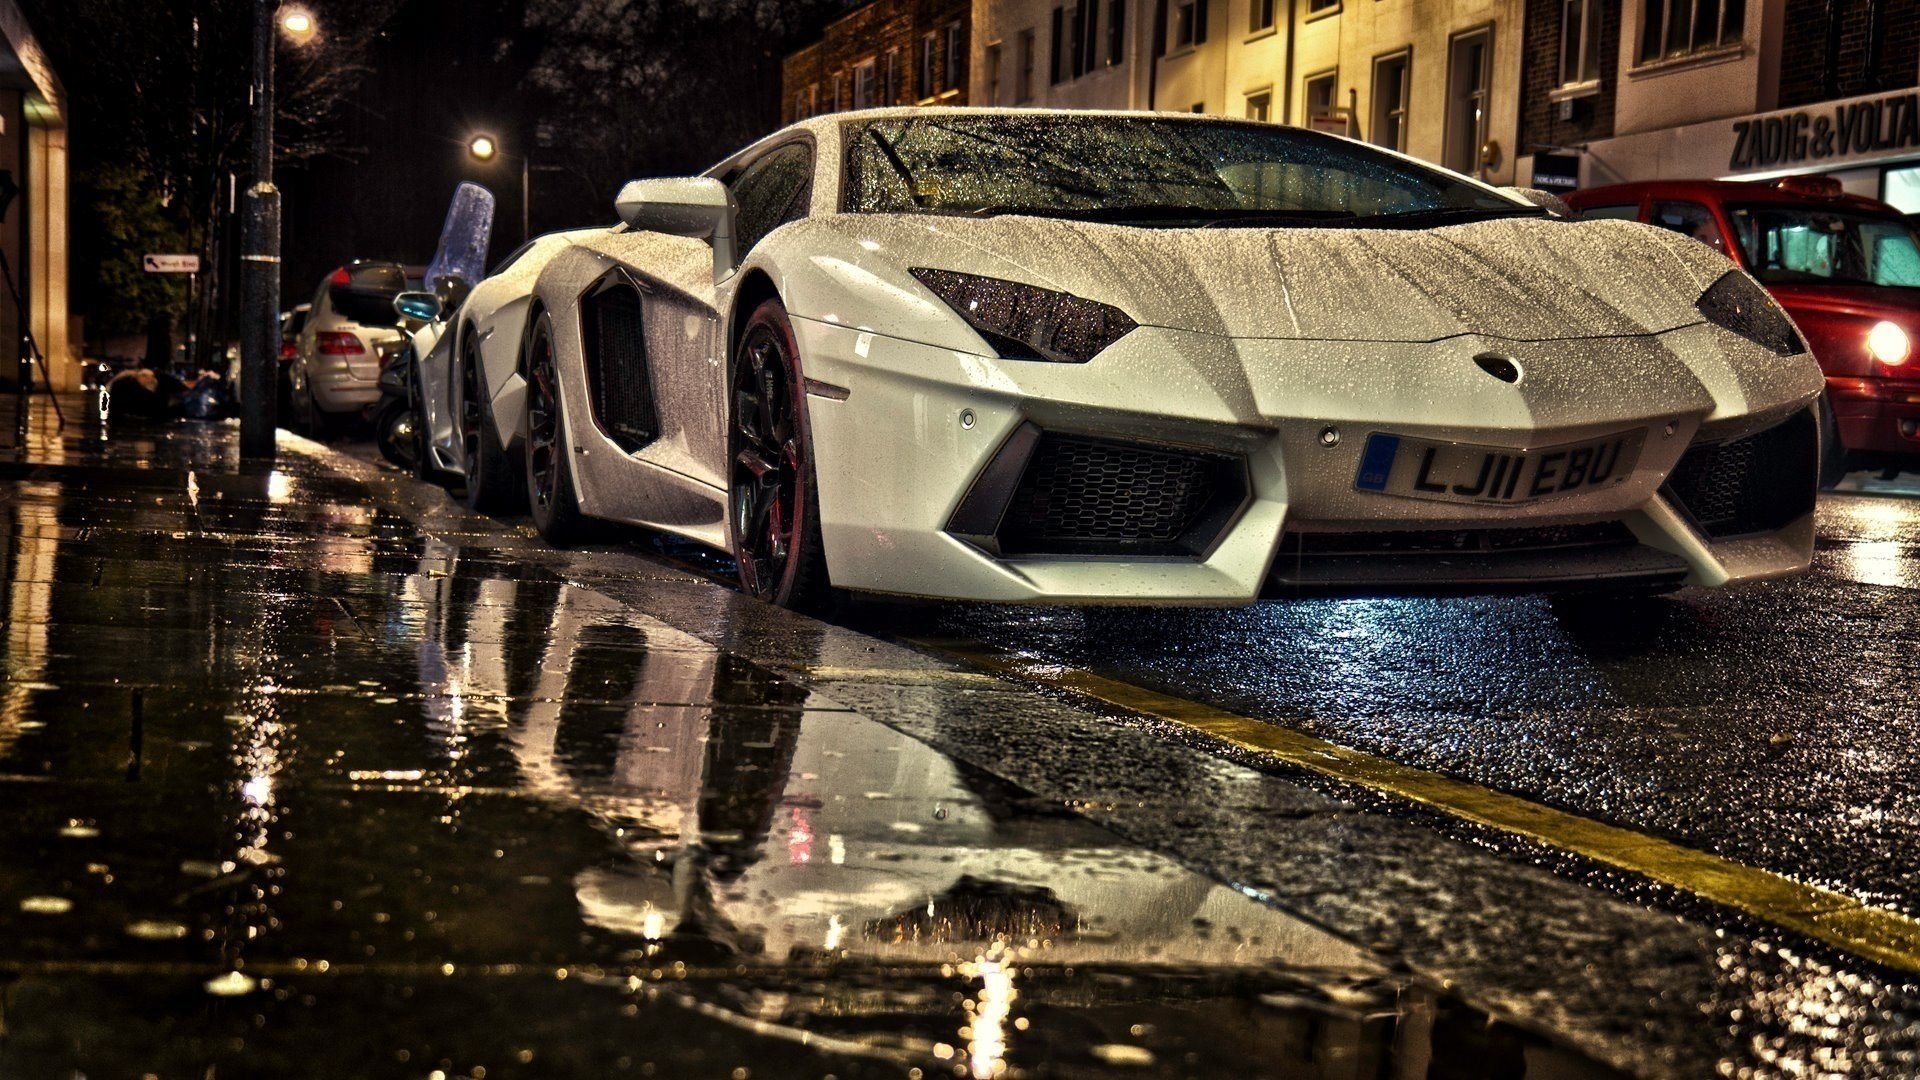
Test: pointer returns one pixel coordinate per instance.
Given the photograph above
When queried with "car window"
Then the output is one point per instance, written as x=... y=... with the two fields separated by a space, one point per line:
x=1787 y=244
x=1150 y=171
x=771 y=192
x=1690 y=219
x=1614 y=212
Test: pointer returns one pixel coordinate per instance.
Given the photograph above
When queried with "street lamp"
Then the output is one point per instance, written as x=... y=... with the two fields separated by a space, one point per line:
x=260 y=234
x=484 y=149
x=298 y=24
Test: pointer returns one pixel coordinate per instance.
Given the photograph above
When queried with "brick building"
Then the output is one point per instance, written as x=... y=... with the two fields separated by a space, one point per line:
x=1644 y=89
x=889 y=52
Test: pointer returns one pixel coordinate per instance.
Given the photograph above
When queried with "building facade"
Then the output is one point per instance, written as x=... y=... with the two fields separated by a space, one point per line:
x=33 y=222
x=1623 y=90
x=889 y=52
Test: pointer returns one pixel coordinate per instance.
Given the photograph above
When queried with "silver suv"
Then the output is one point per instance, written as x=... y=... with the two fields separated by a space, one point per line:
x=348 y=339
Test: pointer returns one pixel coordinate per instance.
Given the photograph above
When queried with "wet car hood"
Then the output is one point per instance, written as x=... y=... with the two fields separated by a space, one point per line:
x=1525 y=279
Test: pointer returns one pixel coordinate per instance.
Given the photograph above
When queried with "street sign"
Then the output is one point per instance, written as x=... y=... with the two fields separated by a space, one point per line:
x=171 y=264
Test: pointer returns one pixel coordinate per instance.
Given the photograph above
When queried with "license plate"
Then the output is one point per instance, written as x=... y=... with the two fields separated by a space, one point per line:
x=1454 y=472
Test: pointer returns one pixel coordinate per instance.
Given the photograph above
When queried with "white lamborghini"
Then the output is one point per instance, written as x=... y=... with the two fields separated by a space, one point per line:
x=1132 y=358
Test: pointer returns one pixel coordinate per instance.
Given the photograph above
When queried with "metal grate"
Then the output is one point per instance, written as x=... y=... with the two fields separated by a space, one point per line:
x=1084 y=495
x=1754 y=484
x=1456 y=541
x=616 y=362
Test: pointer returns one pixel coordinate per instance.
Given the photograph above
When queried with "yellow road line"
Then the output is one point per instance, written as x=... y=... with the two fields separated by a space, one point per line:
x=1878 y=934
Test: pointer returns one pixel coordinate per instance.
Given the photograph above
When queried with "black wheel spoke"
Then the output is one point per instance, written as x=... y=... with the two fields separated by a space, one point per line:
x=766 y=474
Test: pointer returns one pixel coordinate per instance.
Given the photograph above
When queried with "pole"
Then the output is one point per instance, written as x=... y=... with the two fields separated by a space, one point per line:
x=193 y=356
x=526 y=198
x=260 y=257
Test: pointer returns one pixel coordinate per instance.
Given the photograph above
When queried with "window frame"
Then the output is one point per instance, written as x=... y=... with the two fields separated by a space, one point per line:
x=1306 y=95
x=1264 y=96
x=991 y=57
x=1026 y=46
x=954 y=71
x=1483 y=93
x=1583 y=44
x=865 y=72
x=1257 y=10
x=1656 y=31
x=925 y=73
x=1401 y=109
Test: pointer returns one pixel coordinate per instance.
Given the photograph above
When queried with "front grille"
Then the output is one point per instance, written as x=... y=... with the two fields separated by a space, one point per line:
x=1749 y=485
x=1082 y=495
x=616 y=361
x=1456 y=541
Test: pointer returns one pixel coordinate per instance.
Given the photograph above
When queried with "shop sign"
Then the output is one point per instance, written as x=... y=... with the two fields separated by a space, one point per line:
x=1847 y=129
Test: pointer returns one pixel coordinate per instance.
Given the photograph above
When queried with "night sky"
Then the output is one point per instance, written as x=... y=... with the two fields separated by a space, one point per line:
x=438 y=75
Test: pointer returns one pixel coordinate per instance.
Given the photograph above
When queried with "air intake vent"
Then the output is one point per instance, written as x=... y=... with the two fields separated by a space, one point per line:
x=1754 y=484
x=1081 y=495
x=615 y=343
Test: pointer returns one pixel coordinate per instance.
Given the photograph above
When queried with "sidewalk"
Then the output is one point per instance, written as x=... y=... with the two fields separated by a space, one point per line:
x=306 y=772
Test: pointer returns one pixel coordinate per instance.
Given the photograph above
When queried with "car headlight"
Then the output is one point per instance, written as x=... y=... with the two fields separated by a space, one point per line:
x=1889 y=344
x=1026 y=322
x=1737 y=303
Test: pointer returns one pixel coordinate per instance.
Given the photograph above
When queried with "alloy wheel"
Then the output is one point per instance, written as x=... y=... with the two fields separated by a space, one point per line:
x=470 y=418
x=543 y=422
x=767 y=463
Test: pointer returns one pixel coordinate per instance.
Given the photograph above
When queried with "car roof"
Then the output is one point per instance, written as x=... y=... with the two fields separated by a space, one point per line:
x=1723 y=191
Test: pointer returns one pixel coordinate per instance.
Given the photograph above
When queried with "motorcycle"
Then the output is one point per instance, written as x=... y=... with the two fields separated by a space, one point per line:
x=401 y=417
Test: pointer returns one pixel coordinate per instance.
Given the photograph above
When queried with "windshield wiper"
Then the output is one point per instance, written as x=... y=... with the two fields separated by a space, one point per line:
x=1443 y=215
x=899 y=166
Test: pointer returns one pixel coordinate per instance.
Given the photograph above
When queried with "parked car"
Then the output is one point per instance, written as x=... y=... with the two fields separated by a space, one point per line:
x=1845 y=267
x=292 y=321
x=350 y=334
x=994 y=355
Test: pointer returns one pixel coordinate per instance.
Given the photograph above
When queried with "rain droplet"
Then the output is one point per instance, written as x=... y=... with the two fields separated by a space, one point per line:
x=1122 y=1054
x=46 y=905
x=80 y=832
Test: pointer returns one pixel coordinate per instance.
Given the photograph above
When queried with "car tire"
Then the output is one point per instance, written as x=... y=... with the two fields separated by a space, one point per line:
x=1833 y=452
x=772 y=494
x=491 y=486
x=549 y=467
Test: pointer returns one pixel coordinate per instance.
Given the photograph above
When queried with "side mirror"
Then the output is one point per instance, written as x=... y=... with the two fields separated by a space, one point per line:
x=422 y=306
x=1545 y=200
x=698 y=206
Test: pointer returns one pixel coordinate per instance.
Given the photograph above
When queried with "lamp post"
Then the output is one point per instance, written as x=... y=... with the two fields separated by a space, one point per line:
x=485 y=149
x=260 y=235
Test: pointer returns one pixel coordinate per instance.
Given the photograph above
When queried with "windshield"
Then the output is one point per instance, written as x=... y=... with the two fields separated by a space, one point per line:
x=1141 y=170
x=1791 y=245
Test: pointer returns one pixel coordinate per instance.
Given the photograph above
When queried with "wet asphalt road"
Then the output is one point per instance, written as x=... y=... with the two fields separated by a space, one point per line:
x=309 y=773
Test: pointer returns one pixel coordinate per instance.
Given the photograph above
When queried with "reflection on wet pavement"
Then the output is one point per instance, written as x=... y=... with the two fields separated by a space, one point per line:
x=291 y=787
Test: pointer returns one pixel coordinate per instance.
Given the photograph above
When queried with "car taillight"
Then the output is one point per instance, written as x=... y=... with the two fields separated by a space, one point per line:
x=336 y=343
x=288 y=350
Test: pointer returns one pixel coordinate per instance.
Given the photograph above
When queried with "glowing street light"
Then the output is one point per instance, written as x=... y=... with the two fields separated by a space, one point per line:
x=484 y=149
x=298 y=24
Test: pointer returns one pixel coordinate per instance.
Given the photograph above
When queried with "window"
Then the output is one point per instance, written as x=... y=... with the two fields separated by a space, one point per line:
x=890 y=78
x=1471 y=55
x=1579 y=42
x=1690 y=219
x=1901 y=187
x=1116 y=31
x=1621 y=212
x=839 y=97
x=993 y=74
x=1675 y=28
x=923 y=85
x=1188 y=26
x=1087 y=44
x=1318 y=7
x=771 y=192
x=1023 y=80
x=865 y=78
x=1390 y=91
x=1262 y=16
x=800 y=105
x=1055 y=69
x=1318 y=100
x=956 y=59
x=1260 y=105
x=1788 y=245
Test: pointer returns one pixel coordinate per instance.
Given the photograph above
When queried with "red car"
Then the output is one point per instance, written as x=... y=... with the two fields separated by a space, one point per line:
x=1847 y=269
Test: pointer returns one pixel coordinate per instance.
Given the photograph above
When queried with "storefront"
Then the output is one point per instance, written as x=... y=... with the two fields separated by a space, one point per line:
x=1871 y=144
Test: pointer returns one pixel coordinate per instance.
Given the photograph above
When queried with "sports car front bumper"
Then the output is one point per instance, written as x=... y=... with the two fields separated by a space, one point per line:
x=922 y=453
